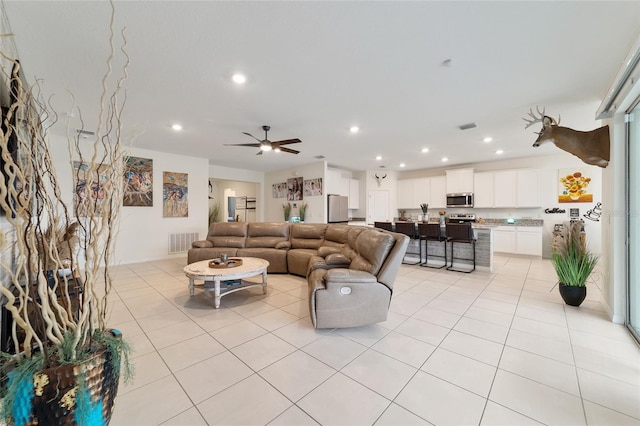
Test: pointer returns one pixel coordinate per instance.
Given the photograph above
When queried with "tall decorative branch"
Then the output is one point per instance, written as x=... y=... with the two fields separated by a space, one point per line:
x=45 y=235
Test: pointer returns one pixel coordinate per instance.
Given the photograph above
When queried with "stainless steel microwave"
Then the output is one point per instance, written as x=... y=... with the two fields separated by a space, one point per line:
x=460 y=200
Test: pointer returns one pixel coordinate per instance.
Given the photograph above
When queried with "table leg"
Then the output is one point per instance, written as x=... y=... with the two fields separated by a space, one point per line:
x=264 y=282
x=216 y=282
x=191 y=286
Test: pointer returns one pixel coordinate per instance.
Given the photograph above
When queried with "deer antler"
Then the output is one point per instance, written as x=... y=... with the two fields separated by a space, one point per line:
x=540 y=119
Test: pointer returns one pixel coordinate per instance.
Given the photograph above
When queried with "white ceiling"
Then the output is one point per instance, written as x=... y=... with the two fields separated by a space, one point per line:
x=316 y=68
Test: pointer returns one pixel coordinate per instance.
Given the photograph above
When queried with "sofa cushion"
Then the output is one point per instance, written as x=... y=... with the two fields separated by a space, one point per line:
x=337 y=235
x=298 y=260
x=325 y=251
x=202 y=244
x=228 y=234
x=307 y=236
x=372 y=247
x=264 y=234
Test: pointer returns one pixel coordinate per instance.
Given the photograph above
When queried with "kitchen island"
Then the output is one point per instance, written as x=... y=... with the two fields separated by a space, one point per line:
x=484 y=250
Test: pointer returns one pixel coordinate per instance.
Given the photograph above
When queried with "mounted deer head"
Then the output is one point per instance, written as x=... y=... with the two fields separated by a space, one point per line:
x=380 y=179
x=591 y=147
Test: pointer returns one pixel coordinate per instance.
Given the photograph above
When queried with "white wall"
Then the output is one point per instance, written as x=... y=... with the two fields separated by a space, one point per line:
x=390 y=183
x=317 y=205
x=242 y=175
x=144 y=233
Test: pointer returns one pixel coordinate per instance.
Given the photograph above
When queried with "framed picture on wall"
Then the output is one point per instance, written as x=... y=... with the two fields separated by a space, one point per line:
x=312 y=187
x=294 y=189
x=574 y=186
x=138 y=182
x=175 y=194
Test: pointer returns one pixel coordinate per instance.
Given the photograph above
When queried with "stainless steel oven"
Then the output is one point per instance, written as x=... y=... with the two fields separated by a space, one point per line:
x=460 y=200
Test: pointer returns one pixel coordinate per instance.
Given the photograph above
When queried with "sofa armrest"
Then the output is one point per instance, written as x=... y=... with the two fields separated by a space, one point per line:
x=324 y=251
x=338 y=259
x=340 y=276
x=202 y=244
x=283 y=245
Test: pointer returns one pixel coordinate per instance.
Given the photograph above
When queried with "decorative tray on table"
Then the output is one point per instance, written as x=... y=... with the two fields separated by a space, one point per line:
x=230 y=263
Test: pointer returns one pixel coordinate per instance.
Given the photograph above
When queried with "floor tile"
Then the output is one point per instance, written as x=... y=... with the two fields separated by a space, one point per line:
x=366 y=335
x=404 y=348
x=297 y=374
x=610 y=393
x=540 y=402
x=212 y=375
x=334 y=350
x=237 y=333
x=273 y=320
x=249 y=402
x=598 y=415
x=540 y=369
x=497 y=415
x=350 y=403
x=623 y=369
x=434 y=316
x=263 y=351
x=293 y=416
x=151 y=404
x=440 y=402
x=427 y=332
x=147 y=369
x=495 y=333
x=544 y=346
x=380 y=373
x=541 y=328
x=460 y=370
x=489 y=316
x=189 y=352
x=162 y=320
x=175 y=333
x=395 y=415
x=473 y=347
x=190 y=417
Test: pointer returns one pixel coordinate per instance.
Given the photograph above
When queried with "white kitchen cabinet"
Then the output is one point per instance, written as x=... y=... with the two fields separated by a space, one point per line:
x=404 y=194
x=483 y=189
x=518 y=240
x=459 y=181
x=438 y=196
x=336 y=183
x=421 y=192
x=354 y=194
x=528 y=188
x=504 y=239
x=529 y=240
x=504 y=189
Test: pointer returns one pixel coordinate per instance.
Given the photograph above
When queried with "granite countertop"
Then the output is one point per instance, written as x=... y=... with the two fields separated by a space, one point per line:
x=516 y=222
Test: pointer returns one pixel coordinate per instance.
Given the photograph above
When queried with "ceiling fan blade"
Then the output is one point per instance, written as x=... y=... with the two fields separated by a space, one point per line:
x=289 y=150
x=249 y=134
x=286 y=141
x=260 y=152
x=255 y=145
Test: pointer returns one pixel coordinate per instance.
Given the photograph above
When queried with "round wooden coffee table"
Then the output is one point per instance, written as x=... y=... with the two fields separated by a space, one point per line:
x=223 y=279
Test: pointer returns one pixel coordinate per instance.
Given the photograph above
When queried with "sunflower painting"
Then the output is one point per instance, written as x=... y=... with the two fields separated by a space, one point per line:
x=574 y=187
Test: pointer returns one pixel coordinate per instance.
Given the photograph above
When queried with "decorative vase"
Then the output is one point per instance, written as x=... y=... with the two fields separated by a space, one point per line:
x=572 y=295
x=71 y=394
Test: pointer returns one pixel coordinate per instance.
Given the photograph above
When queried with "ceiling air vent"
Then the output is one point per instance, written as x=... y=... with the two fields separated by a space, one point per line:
x=320 y=157
x=467 y=126
x=85 y=133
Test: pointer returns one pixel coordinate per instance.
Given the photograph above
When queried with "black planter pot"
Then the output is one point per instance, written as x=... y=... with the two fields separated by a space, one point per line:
x=572 y=295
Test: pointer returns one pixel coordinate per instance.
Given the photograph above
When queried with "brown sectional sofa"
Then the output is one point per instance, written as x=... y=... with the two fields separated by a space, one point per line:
x=350 y=270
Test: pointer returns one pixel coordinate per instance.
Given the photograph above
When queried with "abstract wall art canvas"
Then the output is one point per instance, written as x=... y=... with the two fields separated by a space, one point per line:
x=92 y=188
x=175 y=192
x=138 y=182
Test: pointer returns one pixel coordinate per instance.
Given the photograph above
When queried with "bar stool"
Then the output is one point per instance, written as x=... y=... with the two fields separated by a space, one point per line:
x=461 y=233
x=431 y=232
x=409 y=229
x=388 y=226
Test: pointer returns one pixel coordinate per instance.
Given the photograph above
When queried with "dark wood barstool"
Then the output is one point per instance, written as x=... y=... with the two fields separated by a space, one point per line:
x=388 y=226
x=431 y=232
x=461 y=233
x=409 y=229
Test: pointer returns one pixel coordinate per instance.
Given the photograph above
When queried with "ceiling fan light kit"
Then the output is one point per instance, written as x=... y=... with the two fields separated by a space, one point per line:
x=266 y=145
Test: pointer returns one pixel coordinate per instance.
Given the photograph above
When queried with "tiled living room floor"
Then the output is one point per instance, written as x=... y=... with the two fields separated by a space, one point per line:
x=457 y=349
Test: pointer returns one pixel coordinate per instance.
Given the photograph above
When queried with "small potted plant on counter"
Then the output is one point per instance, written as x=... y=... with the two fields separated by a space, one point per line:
x=573 y=263
x=425 y=212
x=303 y=211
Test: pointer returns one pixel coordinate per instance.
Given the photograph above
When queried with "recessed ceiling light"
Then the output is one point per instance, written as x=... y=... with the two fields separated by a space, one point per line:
x=424 y=150
x=445 y=159
x=487 y=139
x=379 y=157
x=499 y=151
x=354 y=129
x=239 y=78
x=177 y=127
x=402 y=165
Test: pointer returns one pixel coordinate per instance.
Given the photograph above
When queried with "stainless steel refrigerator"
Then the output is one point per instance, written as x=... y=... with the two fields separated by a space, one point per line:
x=338 y=209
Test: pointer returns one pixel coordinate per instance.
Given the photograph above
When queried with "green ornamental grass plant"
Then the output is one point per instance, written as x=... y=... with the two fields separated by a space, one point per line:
x=571 y=258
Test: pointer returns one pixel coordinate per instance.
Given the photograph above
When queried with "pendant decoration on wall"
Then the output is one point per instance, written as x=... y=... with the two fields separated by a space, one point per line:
x=312 y=187
x=379 y=179
x=138 y=182
x=594 y=213
x=574 y=187
x=591 y=147
x=175 y=194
